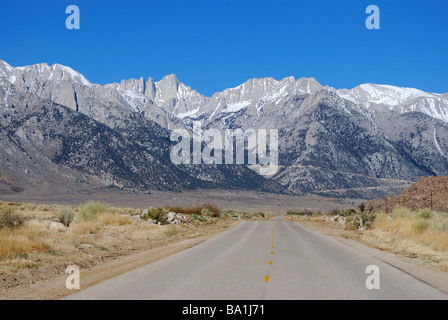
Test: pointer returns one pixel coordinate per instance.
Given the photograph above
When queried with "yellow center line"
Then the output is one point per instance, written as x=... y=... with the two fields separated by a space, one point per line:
x=268 y=277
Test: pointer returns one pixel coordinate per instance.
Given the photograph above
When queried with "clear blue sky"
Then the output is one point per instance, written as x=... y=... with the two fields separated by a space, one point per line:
x=212 y=45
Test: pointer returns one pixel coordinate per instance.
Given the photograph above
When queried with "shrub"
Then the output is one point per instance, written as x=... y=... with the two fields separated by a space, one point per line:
x=295 y=213
x=157 y=214
x=401 y=212
x=351 y=224
x=353 y=221
x=198 y=217
x=362 y=207
x=368 y=219
x=440 y=222
x=336 y=212
x=212 y=208
x=425 y=213
x=348 y=213
x=197 y=209
x=207 y=212
x=177 y=209
x=91 y=209
x=260 y=214
x=65 y=216
x=421 y=225
x=8 y=218
x=185 y=210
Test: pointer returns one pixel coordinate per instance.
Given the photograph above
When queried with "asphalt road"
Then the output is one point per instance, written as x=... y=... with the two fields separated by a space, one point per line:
x=258 y=260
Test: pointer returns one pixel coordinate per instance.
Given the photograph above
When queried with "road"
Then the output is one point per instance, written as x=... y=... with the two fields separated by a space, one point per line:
x=257 y=260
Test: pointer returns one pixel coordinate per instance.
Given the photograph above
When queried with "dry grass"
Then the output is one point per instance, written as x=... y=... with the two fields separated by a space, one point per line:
x=423 y=227
x=93 y=226
x=97 y=232
x=22 y=241
x=92 y=222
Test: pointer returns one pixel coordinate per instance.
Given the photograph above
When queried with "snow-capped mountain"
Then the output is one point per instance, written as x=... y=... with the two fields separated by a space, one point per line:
x=398 y=99
x=256 y=94
x=173 y=100
x=372 y=140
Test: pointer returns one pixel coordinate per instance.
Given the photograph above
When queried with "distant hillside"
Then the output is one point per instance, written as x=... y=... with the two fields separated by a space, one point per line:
x=419 y=195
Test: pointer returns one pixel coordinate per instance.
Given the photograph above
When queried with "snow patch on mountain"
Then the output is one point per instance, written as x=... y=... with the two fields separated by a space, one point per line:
x=237 y=106
x=399 y=99
x=73 y=74
x=437 y=144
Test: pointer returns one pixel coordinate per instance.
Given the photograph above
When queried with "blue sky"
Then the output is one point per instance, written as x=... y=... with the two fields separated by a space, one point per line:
x=212 y=45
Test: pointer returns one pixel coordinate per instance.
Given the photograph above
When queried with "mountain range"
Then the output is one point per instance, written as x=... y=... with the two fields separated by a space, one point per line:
x=57 y=128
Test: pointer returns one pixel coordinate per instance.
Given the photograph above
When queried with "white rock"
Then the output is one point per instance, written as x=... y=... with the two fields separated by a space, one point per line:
x=171 y=216
x=56 y=226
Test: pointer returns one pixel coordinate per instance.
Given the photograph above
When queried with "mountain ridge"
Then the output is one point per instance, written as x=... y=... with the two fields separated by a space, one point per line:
x=384 y=93
x=343 y=143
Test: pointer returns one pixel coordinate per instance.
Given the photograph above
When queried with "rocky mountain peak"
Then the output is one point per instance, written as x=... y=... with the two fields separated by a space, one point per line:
x=42 y=72
x=177 y=98
x=134 y=85
x=308 y=85
x=5 y=69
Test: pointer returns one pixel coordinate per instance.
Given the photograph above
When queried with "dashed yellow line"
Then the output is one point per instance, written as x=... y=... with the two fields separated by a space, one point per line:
x=268 y=277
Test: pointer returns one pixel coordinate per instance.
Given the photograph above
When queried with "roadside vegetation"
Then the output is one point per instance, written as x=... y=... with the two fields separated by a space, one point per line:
x=423 y=227
x=419 y=233
x=200 y=209
x=44 y=239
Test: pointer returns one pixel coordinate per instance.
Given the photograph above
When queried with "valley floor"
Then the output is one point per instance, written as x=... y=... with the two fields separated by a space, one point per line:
x=249 y=201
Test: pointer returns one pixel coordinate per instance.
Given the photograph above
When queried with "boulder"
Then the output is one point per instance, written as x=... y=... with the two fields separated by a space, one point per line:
x=56 y=226
x=171 y=216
